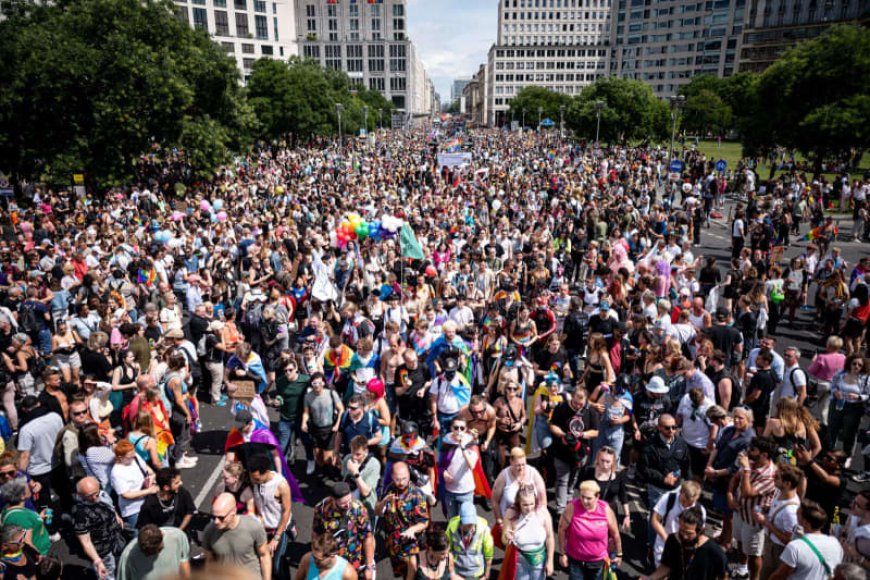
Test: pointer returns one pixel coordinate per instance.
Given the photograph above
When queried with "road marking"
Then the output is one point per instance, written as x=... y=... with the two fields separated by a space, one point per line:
x=209 y=483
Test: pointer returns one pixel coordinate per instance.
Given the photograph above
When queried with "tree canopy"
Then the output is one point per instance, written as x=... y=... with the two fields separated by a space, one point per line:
x=631 y=111
x=530 y=99
x=91 y=85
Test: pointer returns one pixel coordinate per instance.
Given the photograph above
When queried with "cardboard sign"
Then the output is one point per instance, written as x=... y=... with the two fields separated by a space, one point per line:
x=245 y=390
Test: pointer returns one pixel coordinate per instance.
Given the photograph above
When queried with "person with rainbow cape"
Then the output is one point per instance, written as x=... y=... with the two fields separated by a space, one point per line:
x=245 y=440
x=460 y=469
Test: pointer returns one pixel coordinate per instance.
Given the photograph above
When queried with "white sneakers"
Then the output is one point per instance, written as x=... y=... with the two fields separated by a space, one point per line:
x=186 y=462
x=310 y=468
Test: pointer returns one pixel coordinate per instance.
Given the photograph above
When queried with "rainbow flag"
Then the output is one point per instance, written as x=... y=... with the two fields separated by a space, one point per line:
x=453 y=146
x=816 y=233
x=147 y=277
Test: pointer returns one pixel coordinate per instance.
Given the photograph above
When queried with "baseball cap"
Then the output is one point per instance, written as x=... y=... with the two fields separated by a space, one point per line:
x=340 y=489
x=722 y=313
x=243 y=417
x=451 y=364
x=467 y=513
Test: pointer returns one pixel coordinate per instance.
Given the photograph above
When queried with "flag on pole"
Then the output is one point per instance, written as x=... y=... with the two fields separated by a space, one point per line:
x=408 y=243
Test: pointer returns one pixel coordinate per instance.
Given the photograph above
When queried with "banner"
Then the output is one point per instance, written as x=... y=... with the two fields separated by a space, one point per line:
x=409 y=244
x=453 y=159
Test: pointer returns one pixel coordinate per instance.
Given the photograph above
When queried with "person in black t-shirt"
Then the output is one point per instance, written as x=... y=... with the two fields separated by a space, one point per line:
x=689 y=553
x=574 y=425
x=760 y=387
x=171 y=506
x=412 y=384
x=726 y=338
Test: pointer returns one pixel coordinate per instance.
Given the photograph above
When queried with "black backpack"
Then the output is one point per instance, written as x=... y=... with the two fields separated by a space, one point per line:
x=29 y=319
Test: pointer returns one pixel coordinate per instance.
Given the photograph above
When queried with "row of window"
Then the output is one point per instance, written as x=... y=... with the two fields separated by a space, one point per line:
x=560 y=65
x=556 y=40
x=259 y=5
x=545 y=77
x=222 y=23
x=265 y=49
x=353 y=10
x=603 y=15
x=557 y=3
x=548 y=53
x=585 y=27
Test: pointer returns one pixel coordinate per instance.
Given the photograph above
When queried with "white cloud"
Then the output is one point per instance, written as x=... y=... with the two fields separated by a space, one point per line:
x=452 y=37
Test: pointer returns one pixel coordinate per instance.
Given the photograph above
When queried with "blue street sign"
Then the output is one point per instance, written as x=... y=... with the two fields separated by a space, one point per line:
x=721 y=166
x=677 y=166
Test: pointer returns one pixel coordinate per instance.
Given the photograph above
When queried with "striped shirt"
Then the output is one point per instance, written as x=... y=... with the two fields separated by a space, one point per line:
x=762 y=481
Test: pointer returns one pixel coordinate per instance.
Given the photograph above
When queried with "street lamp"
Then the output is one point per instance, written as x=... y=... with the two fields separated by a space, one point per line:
x=380 y=118
x=338 y=109
x=524 y=118
x=561 y=121
x=677 y=102
x=599 y=106
x=540 y=114
x=366 y=116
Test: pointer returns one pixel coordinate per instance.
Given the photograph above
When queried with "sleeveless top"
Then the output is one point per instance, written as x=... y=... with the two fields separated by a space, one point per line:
x=529 y=532
x=511 y=487
x=421 y=575
x=587 y=533
x=697 y=321
x=139 y=442
x=334 y=573
x=267 y=505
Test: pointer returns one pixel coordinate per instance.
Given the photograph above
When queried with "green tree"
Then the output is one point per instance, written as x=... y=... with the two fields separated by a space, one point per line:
x=631 y=112
x=815 y=98
x=91 y=84
x=530 y=99
x=705 y=112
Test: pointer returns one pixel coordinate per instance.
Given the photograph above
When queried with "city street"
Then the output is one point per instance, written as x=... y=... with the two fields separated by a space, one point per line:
x=209 y=444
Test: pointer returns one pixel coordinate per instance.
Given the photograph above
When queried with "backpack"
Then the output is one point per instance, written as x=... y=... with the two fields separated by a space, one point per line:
x=812 y=386
x=254 y=316
x=29 y=319
x=672 y=501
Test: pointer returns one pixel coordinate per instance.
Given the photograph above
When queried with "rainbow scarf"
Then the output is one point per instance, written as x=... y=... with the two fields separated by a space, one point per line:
x=337 y=361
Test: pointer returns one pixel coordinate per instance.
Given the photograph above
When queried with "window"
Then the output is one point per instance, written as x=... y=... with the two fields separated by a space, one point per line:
x=309 y=51
x=309 y=11
x=398 y=10
x=332 y=10
x=221 y=23
x=398 y=84
x=241 y=4
x=267 y=50
x=242 y=25
x=247 y=48
x=228 y=47
x=353 y=10
x=181 y=13
x=259 y=5
x=311 y=25
x=200 y=19
x=354 y=58
x=220 y=3
x=262 y=27
x=333 y=56
x=398 y=24
x=248 y=63
x=198 y=2
x=377 y=84
x=376 y=24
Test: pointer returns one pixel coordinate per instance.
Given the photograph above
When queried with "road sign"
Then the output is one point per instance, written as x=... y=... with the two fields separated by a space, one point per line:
x=721 y=166
x=677 y=166
x=7 y=192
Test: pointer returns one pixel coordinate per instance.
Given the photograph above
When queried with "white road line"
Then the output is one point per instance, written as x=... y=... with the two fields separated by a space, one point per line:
x=209 y=484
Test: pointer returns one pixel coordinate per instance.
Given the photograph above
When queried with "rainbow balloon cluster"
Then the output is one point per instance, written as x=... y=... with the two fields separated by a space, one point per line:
x=354 y=227
x=214 y=208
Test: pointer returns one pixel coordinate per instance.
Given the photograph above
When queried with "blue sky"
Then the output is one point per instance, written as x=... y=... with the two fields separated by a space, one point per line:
x=452 y=37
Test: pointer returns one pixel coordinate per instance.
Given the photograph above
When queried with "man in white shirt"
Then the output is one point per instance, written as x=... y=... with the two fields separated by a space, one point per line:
x=461 y=314
x=814 y=555
x=667 y=511
x=794 y=380
x=781 y=520
x=459 y=472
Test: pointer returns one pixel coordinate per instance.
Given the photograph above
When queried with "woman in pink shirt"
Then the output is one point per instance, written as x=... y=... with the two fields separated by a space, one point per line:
x=823 y=368
x=586 y=528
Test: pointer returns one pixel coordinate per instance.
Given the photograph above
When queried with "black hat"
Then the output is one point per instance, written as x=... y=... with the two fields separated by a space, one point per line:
x=722 y=313
x=410 y=428
x=451 y=363
x=340 y=489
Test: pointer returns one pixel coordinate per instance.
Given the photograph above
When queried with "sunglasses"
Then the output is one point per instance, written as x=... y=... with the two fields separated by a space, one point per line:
x=670 y=427
x=222 y=518
x=353 y=408
x=10 y=473
x=458 y=428
x=79 y=413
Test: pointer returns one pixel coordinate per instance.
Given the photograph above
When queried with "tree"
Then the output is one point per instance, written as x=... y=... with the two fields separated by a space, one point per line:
x=298 y=98
x=815 y=98
x=530 y=99
x=631 y=112
x=705 y=112
x=92 y=84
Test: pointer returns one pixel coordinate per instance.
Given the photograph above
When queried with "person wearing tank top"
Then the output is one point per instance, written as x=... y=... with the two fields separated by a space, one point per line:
x=322 y=563
x=530 y=530
x=273 y=506
x=585 y=529
x=516 y=475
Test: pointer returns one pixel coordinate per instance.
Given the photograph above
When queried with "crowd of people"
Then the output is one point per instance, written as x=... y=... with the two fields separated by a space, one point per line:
x=537 y=337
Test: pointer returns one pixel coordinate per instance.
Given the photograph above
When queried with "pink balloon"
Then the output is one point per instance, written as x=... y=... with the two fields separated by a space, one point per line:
x=222 y=216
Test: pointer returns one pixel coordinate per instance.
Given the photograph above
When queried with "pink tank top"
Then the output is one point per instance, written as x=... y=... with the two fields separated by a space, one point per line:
x=587 y=535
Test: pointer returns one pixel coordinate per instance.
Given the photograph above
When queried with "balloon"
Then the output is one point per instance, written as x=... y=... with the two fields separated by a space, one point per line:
x=218 y=204
x=431 y=271
x=362 y=230
x=279 y=189
x=352 y=235
x=177 y=216
x=204 y=205
x=222 y=216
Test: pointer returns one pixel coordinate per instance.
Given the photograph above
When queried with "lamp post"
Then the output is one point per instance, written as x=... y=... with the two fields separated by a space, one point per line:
x=599 y=106
x=540 y=115
x=380 y=118
x=338 y=109
x=366 y=116
x=677 y=102
x=561 y=121
x=524 y=118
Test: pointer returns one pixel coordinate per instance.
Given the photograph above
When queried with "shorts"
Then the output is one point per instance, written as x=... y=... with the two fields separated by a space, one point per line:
x=720 y=502
x=322 y=438
x=750 y=538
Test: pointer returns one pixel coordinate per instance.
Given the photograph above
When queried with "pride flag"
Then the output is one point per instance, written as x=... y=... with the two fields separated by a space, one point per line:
x=147 y=277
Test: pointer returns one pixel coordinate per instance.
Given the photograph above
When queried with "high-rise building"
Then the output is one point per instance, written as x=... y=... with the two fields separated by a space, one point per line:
x=368 y=40
x=773 y=26
x=561 y=45
x=246 y=29
x=666 y=43
x=457 y=88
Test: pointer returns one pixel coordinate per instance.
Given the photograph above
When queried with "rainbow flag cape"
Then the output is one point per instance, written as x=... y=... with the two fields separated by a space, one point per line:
x=481 y=485
x=336 y=361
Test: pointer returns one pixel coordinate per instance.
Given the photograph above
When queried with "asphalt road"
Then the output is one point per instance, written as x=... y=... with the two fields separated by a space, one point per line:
x=209 y=444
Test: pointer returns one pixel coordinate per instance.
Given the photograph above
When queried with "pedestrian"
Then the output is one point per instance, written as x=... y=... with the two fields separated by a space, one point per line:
x=157 y=552
x=238 y=540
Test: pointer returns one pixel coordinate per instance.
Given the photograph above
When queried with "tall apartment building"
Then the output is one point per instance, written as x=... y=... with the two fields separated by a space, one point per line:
x=773 y=26
x=457 y=88
x=666 y=43
x=246 y=29
x=561 y=45
x=368 y=40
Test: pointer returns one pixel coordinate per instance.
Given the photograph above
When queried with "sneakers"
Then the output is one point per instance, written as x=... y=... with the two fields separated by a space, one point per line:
x=861 y=477
x=222 y=402
x=185 y=463
x=309 y=469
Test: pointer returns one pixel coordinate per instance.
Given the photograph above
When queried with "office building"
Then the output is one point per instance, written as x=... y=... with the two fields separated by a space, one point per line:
x=774 y=26
x=474 y=95
x=368 y=40
x=666 y=43
x=561 y=45
x=246 y=29
x=457 y=88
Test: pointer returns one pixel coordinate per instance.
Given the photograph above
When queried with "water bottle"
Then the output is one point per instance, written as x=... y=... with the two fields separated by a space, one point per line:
x=841 y=403
x=49 y=516
x=836 y=527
